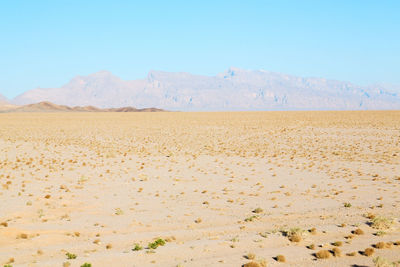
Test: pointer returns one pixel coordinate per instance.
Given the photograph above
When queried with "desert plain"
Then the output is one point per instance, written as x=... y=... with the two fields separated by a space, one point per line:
x=200 y=189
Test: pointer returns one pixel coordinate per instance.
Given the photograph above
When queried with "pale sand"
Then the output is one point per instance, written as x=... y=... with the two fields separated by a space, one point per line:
x=194 y=179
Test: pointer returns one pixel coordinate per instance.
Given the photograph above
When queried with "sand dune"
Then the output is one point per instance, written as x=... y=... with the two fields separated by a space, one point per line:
x=199 y=189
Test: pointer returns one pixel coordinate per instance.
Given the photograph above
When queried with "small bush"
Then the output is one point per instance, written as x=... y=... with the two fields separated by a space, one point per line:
x=313 y=231
x=382 y=262
x=294 y=234
x=368 y=252
x=380 y=233
x=280 y=258
x=260 y=263
x=157 y=243
x=380 y=245
x=70 y=256
x=250 y=256
x=258 y=210
x=358 y=231
x=336 y=252
x=337 y=243
x=251 y=218
x=86 y=265
x=137 y=247
x=323 y=254
x=381 y=223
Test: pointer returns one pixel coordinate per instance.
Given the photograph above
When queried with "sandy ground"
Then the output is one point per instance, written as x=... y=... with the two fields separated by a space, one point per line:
x=221 y=189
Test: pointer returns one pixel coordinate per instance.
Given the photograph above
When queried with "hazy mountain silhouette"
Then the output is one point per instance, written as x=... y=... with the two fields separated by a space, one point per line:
x=234 y=89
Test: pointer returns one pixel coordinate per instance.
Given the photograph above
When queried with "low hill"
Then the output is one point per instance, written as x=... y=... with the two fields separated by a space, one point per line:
x=47 y=106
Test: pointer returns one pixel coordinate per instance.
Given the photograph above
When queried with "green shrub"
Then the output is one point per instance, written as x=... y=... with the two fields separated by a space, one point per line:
x=157 y=243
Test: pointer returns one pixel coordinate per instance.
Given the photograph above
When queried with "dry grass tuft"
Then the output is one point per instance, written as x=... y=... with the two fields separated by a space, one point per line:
x=337 y=243
x=258 y=210
x=336 y=252
x=250 y=256
x=260 y=263
x=294 y=235
x=368 y=252
x=358 y=231
x=280 y=258
x=313 y=231
x=380 y=245
x=382 y=262
x=351 y=254
x=312 y=246
x=381 y=223
x=323 y=254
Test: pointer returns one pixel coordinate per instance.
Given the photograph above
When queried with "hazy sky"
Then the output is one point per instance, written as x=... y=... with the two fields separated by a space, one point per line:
x=46 y=43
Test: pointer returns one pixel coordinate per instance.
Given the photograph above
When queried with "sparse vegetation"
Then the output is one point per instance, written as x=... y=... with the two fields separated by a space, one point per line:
x=231 y=159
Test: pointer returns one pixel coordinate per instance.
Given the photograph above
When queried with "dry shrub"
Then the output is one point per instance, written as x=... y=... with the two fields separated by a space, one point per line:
x=337 y=243
x=258 y=210
x=358 y=231
x=295 y=238
x=313 y=231
x=312 y=246
x=250 y=256
x=351 y=254
x=280 y=258
x=381 y=223
x=294 y=235
x=382 y=262
x=368 y=252
x=251 y=264
x=336 y=252
x=380 y=245
x=323 y=254
x=260 y=263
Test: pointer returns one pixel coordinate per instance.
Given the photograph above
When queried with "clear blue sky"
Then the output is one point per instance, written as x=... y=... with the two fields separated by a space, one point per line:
x=46 y=43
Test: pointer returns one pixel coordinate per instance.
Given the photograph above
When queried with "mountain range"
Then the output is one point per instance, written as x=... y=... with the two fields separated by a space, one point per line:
x=233 y=89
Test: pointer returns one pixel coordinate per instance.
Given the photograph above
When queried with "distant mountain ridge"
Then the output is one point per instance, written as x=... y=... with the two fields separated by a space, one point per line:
x=234 y=89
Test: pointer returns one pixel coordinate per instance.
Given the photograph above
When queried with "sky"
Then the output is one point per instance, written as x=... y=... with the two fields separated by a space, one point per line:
x=46 y=43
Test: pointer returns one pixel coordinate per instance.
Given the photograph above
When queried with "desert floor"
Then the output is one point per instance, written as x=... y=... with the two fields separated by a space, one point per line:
x=221 y=189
